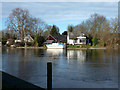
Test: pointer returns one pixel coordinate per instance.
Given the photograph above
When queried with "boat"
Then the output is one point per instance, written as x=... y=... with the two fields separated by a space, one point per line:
x=56 y=45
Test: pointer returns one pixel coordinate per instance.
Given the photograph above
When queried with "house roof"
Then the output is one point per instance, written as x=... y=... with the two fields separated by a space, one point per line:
x=28 y=38
x=62 y=38
x=72 y=36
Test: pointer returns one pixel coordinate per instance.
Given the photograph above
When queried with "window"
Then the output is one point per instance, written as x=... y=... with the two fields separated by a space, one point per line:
x=80 y=40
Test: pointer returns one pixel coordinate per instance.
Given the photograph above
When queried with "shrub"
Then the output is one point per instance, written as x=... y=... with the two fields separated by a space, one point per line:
x=30 y=44
x=85 y=46
x=78 y=46
x=72 y=46
x=95 y=41
x=18 y=44
x=39 y=40
x=22 y=44
x=4 y=41
x=103 y=43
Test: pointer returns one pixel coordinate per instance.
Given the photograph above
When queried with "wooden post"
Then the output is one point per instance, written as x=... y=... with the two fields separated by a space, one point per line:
x=49 y=76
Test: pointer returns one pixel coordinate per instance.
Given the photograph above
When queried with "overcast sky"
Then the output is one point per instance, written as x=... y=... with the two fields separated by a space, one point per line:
x=61 y=13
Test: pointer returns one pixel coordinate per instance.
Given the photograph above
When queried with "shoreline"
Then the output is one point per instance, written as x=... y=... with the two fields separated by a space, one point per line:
x=32 y=47
x=97 y=48
x=67 y=48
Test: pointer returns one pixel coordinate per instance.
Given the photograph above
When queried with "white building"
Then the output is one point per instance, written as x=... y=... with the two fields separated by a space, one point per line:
x=81 y=39
x=27 y=38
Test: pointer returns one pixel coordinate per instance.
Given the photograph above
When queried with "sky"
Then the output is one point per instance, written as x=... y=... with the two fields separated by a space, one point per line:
x=60 y=14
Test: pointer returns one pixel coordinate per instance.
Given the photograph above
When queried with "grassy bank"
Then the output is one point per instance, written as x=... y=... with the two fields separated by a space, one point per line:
x=84 y=47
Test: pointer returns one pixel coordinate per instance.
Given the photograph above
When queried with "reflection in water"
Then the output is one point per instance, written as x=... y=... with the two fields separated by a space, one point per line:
x=55 y=53
x=76 y=68
x=79 y=55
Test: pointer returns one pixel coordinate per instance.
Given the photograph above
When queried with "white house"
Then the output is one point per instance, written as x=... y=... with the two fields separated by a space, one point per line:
x=27 y=38
x=17 y=41
x=9 y=42
x=69 y=39
x=81 y=39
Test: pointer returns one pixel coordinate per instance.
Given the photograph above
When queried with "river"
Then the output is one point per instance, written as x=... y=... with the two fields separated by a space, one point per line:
x=71 y=68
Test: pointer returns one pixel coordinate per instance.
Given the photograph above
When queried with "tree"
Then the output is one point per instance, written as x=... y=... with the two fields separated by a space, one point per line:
x=81 y=28
x=64 y=33
x=37 y=27
x=47 y=31
x=95 y=41
x=114 y=32
x=96 y=22
x=22 y=22
x=70 y=28
x=18 y=21
x=54 y=30
x=39 y=40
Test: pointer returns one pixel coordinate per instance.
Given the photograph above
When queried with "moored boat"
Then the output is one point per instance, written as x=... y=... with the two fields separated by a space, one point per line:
x=56 y=45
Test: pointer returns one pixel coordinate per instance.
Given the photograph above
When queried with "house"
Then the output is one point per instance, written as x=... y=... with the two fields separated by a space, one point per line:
x=79 y=40
x=56 y=38
x=27 y=38
x=56 y=41
x=10 y=42
x=17 y=41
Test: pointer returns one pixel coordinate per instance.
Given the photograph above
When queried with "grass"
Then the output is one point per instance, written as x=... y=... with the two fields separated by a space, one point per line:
x=83 y=46
x=78 y=46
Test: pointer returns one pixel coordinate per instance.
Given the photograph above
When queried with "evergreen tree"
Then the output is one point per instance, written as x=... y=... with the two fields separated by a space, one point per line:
x=64 y=33
x=54 y=30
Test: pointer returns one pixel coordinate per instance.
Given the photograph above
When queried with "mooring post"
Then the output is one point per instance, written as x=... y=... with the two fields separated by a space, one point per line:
x=49 y=76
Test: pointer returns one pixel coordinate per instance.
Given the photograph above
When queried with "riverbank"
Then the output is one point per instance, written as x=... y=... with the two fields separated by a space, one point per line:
x=70 y=48
x=33 y=47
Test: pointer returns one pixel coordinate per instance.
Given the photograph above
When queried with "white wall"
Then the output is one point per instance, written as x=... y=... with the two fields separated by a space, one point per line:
x=71 y=41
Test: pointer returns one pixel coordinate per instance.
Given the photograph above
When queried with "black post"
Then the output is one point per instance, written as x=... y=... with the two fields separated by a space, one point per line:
x=49 y=76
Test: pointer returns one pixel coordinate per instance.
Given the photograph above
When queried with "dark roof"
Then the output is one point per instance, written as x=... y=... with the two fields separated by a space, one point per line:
x=73 y=36
x=62 y=38
x=33 y=37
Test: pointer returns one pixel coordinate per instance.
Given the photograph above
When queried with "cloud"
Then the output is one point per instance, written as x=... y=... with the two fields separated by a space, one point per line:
x=63 y=13
x=57 y=9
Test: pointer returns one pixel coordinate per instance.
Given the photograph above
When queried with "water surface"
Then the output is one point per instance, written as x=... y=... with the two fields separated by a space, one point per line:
x=71 y=68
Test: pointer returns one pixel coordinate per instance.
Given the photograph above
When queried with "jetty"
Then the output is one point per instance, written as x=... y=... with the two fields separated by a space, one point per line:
x=12 y=82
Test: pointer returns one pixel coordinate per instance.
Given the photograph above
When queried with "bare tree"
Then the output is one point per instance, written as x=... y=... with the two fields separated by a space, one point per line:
x=22 y=22
x=114 y=31
x=47 y=31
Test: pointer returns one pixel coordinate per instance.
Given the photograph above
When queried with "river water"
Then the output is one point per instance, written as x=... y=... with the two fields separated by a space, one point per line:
x=71 y=68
